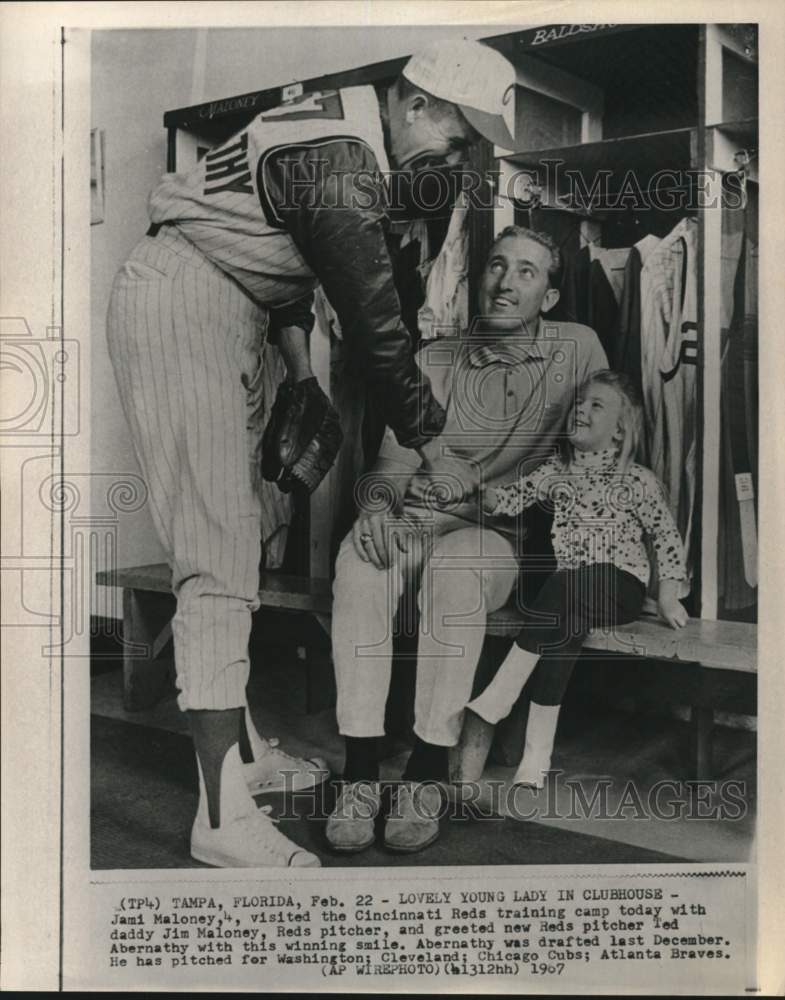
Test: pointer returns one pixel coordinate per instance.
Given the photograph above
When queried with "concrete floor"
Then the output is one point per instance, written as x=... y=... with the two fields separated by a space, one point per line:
x=624 y=755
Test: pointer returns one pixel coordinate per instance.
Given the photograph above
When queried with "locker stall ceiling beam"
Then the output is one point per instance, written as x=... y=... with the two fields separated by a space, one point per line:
x=219 y=119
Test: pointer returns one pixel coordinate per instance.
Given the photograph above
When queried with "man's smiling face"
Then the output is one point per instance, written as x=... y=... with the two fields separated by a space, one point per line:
x=515 y=284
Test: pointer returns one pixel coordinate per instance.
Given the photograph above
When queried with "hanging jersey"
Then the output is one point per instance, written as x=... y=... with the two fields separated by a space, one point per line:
x=229 y=204
x=445 y=312
x=669 y=357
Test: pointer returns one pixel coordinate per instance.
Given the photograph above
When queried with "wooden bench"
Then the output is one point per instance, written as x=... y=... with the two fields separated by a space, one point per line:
x=702 y=647
x=148 y=607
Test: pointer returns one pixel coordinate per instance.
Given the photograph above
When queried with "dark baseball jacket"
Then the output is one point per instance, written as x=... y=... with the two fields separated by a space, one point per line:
x=331 y=199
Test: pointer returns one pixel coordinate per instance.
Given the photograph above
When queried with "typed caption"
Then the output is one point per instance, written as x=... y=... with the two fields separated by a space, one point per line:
x=516 y=932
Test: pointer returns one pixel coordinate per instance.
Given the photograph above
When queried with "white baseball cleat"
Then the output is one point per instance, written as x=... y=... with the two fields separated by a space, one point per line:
x=247 y=837
x=274 y=770
x=251 y=841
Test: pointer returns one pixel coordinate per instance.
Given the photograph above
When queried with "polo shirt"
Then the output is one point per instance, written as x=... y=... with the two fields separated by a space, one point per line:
x=507 y=398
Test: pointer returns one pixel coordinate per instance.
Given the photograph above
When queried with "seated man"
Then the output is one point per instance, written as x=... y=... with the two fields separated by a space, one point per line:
x=507 y=389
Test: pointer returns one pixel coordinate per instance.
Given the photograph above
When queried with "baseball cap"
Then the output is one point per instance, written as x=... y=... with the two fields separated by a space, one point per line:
x=476 y=78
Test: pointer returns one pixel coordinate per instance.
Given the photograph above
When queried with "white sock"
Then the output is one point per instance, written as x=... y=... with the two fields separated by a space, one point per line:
x=496 y=701
x=540 y=736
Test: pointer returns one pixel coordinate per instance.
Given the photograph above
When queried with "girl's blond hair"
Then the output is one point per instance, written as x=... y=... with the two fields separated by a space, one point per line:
x=630 y=419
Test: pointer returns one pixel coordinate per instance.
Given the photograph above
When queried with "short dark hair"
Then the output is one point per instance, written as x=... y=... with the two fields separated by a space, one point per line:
x=537 y=236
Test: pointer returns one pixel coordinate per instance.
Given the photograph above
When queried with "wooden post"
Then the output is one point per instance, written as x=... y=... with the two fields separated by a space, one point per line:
x=481 y=220
x=703 y=731
x=149 y=677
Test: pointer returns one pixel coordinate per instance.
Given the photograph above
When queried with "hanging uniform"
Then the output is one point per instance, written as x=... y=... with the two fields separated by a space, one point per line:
x=669 y=354
x=614 y=263
x=445 y=311
x=626 y=355
x=591 y=290
x=737 y=543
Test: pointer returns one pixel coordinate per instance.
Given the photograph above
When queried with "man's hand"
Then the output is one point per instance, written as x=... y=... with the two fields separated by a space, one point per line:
x=377 y=537
x=669 y=606
x=454 y=480
x=489 y=500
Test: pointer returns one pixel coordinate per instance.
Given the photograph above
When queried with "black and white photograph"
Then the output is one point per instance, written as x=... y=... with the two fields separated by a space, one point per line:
x=388 y=472
x=269 y=338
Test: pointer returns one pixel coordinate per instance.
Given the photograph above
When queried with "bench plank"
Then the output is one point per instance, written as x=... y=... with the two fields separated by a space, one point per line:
x=157 y=578
x=277 y=590
x=719 y=645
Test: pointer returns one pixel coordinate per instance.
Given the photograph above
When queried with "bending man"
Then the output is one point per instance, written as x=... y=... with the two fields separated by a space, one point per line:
x=236 y=248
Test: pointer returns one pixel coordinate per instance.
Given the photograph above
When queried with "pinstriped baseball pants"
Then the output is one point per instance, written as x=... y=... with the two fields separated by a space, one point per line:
x=186 y=345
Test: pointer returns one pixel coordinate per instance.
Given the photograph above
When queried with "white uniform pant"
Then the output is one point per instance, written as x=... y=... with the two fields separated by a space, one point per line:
x=186 y=345
x=471 y=571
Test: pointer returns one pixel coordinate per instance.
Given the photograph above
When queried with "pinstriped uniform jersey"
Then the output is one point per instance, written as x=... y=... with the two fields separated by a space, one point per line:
x=228 y=204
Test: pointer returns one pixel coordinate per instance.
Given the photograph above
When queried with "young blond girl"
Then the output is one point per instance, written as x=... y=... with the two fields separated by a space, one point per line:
x=605 y=506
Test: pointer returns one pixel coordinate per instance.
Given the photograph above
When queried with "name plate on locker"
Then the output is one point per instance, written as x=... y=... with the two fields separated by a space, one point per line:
x=745 y=494
x=744 y=487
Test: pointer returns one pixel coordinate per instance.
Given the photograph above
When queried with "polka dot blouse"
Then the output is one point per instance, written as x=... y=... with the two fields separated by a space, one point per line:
x=601 y=515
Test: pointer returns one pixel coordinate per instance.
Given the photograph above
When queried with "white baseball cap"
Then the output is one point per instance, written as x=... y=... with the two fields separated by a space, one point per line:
x=476 y=78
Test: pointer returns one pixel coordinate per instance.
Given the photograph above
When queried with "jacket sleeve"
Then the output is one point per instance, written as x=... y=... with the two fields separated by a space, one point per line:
x=297 y=313
x=330 y=198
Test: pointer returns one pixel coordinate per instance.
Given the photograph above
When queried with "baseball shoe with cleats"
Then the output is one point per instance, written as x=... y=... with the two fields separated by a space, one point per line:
x=250 y=841
x=350 y=826
x=274 y=770
x=246 y=837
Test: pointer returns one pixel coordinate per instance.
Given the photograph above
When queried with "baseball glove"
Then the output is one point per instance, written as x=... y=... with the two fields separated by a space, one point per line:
x=302 y=437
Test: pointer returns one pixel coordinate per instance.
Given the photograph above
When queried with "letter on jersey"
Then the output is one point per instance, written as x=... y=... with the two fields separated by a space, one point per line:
x=227 y=168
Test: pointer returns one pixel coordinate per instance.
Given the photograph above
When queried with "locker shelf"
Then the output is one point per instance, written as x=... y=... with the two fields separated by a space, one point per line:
x=612 y=166
x=674 y=147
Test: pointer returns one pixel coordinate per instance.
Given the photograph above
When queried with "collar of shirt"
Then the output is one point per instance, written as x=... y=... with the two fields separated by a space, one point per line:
x=509 y=349
x=594 y=461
